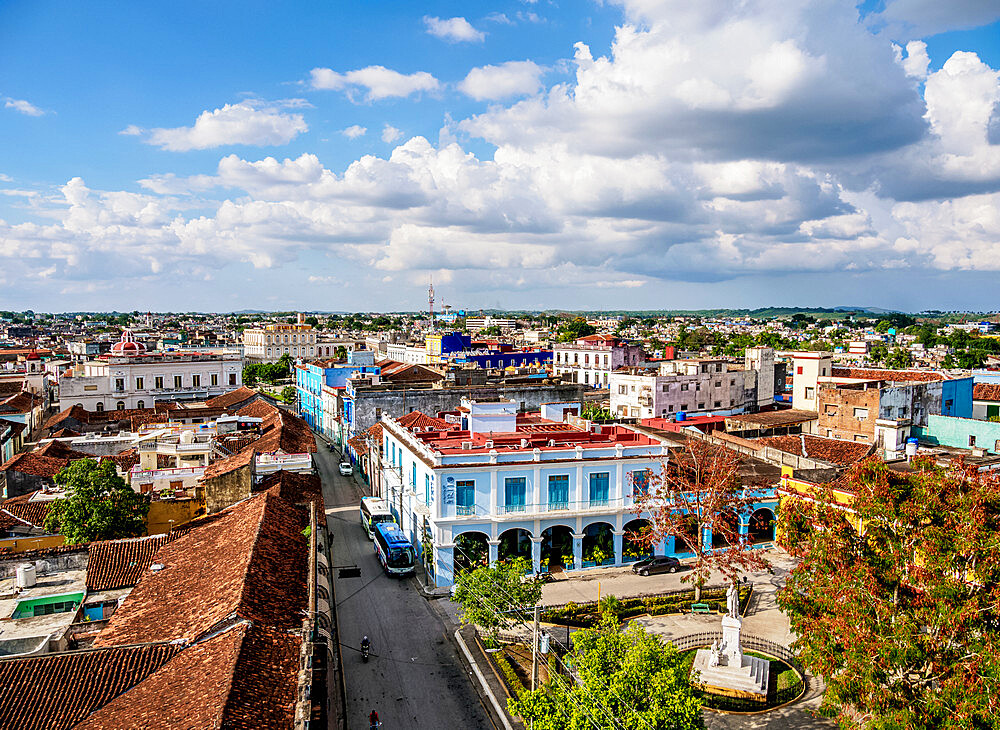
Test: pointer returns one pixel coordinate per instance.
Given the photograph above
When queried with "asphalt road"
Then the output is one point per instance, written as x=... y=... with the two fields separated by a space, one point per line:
x=414 y=678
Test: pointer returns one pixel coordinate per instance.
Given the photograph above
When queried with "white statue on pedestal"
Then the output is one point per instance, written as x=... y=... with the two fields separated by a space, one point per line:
x=733 y=600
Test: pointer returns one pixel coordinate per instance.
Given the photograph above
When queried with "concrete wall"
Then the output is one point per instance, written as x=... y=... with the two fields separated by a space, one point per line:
x=836 y=413
x=17 y=483
x=221 y=491
x=164 y=515
x=955 y=432
x=397 y=403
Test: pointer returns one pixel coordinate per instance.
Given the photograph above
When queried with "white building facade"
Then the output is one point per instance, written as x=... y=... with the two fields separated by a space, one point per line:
x=120 y=382
x=591 y=360
x=271 y=342
x=497 y=486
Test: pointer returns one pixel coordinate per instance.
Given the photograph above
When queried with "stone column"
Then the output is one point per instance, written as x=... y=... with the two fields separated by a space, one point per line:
x=578 y=550
x=618 y=535
x=494 y=550
x=536 y=554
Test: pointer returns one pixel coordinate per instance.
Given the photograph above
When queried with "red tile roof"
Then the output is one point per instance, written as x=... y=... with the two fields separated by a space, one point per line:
x=55 y=691
x=892 y=376
x=416 y=419
x=250 y=563
x=229 y=464
x=233 y=398
x=126 y=459
x=986 y=391
x=835 y=451
x=121 y=563
x=76 y=413
x=20 y=403
x=258 y=409
x=295 y=487
x=31 y=462
x=20 y=510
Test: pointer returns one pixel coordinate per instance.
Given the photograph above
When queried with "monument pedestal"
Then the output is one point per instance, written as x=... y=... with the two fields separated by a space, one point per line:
x=724 y=669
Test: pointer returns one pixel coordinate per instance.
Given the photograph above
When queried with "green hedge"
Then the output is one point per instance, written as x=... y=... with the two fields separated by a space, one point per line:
x=587 y=614
x=513 y=681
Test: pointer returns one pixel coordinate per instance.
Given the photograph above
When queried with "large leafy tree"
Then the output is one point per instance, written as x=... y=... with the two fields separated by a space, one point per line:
x=627 y=679
x=700 y=496
x=99 y=505
x=497 y=596
x=896 y=600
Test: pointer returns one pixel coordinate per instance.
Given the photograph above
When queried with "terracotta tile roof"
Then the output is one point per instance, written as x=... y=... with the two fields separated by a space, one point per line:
x=250 y=563
x=773 y=419
x=233 y=398
x=31 y=462
x=835 y=451
x=229 y=464
x=10 y=387
x=76 y=413
x=22 y=510
x=16 y=427
x=258 y=409
x=124 y=460
x=65 y=433
x=295 y=487
x=284 y=431
x=893 y=376
x=121 y=563
x=986 y=391
x=358 y=444
x=60 y=450
x=416 y=419
x=375 y=431
x=412 y=374
x=20 y=403
x=244 y=678
x=55 y=691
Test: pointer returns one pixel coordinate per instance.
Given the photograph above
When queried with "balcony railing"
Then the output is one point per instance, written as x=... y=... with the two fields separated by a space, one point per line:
x=517 y=510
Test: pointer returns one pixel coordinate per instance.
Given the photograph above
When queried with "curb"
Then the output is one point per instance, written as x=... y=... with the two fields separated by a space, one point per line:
x=482 y=682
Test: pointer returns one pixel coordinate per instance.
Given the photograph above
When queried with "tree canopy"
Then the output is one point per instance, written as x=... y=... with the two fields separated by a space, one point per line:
x=574 y=330
x=626 y=679
x=99 y=506
x=496 y=596
x=901 y=619
x=701 y=489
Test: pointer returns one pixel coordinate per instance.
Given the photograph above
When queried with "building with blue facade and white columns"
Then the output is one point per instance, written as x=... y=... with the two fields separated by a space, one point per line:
x=487 y=483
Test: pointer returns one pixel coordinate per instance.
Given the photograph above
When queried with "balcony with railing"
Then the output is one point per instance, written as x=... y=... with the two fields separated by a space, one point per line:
x=516 y=511
x=270 y=463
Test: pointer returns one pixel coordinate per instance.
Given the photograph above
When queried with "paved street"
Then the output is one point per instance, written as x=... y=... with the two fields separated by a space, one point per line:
x=414 y=678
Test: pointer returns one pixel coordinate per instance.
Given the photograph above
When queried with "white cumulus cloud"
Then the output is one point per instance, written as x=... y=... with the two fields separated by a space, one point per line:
x=456 y=30
x=513 y=78
x=354 y=131
x=22 y=106
x=245 y=123
x=390 y=133
x=378 y=81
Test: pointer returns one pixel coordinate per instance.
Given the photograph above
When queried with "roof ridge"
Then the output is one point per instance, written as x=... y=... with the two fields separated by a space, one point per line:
x=266 y=501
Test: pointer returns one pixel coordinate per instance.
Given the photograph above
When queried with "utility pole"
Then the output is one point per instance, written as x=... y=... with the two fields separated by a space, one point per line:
x=534 y=653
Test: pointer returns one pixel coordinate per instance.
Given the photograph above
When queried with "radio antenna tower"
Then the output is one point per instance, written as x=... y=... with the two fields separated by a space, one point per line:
x=430 y=301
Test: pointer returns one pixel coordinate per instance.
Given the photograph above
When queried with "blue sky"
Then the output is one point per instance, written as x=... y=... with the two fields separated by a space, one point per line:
x=640 y=153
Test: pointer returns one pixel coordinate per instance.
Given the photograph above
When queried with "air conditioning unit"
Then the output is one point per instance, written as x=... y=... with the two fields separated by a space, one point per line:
x=525 y=443
x=552 y=442
x=489 y=444
x=466 y=445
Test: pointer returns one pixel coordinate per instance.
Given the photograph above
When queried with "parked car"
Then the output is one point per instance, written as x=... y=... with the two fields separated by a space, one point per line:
x=659 y=564
x=346 y=469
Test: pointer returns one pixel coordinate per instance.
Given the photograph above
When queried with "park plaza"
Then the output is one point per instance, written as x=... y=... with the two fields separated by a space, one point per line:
x=485 y=482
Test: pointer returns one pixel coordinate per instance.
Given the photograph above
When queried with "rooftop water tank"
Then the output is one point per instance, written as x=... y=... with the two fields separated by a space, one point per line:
x=681 y=416
x=911 y=447
x=25 y=575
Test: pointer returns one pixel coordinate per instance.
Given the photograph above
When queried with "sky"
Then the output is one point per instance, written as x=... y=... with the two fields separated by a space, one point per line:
x=609 y=154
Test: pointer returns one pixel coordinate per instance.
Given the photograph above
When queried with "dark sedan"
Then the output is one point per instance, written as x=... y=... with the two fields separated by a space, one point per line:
x=659 y=564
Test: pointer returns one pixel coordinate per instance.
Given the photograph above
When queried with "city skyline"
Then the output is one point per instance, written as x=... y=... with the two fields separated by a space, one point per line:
x=636 y=154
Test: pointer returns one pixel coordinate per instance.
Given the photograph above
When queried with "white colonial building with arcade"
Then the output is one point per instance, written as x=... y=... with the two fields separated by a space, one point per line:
x=487 y=483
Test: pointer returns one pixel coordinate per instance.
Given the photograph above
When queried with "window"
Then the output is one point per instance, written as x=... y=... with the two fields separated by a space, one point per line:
x=605 y=361
x=718 y=403
x=465 y=497
x=586 y=359
x=232 y=378
x=640 y=482
x=158 y=382
x=622 y=389
x=633 y=388
x=214 y=378
x=701 y=406
x=860 y=437
x=119 y=383
x=427 y=488
x=718 y=383
x=830 y=410
x=120 y=405
x=599 y=488
x=684 y=406
x=196 y=381
x=140 y=404
x=99 y=407
x=666 y=388
x=810 y=392
x=586 y=378
x=559 y=491
x=514 y=489
x=861 y=413
x=972 y=441
x=138 y=383
x=413 y=475
x=718 y=367
x=684 y=386
x=178 y=381
x=670 y=408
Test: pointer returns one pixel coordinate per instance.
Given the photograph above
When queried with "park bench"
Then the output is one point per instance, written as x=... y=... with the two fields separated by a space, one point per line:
x=700 y=608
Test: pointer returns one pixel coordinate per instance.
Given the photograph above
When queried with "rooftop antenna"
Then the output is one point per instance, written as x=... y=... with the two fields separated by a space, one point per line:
x=430 y=301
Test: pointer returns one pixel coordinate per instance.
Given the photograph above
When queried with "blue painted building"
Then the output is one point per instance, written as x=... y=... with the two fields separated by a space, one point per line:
x=502 y=485
x=311 y=377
